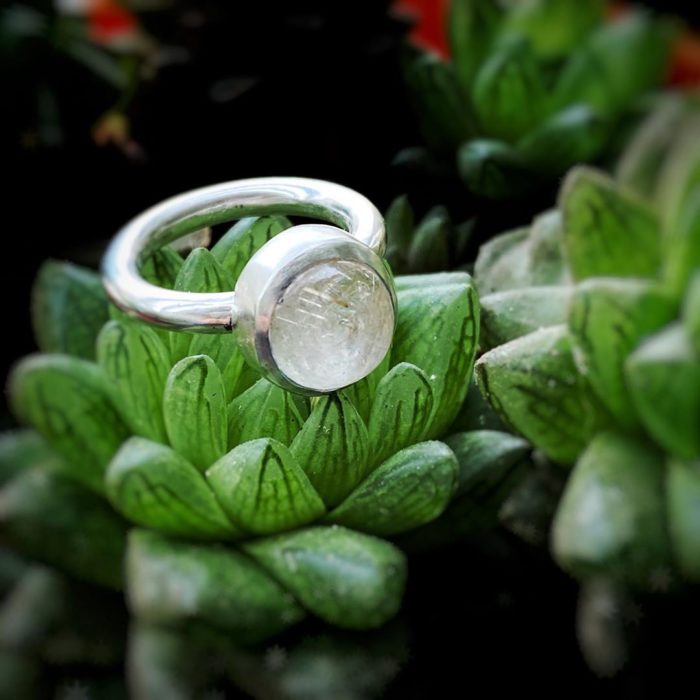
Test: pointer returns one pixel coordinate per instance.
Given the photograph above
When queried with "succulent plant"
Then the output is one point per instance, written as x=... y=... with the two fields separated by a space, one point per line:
x=590 y=320
x=159 y=462
x=531 y=88
x=428 y=245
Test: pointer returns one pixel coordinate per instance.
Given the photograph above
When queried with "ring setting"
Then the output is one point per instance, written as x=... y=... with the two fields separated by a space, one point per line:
x=313 y=310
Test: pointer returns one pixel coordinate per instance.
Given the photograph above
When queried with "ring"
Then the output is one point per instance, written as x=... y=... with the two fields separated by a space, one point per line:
x=313 y=310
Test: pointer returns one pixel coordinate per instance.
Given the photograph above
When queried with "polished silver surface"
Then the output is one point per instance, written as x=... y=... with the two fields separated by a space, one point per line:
x=356 y=235
x=195 y=210
x=272 y=270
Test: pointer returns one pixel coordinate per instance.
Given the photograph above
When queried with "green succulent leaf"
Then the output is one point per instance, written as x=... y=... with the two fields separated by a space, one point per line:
x=137 y=362
x=494 y=169
x=21 y=449
x=55 y=520
x=663 y=375
x=529 y=507
x=263 y=410
x=32 y=611
x=346 y=578
x=162 y=267
x=399 y=223
x=194 y=409
x=547 y=264
x=410 y=489
x=437 y=331
x=152 y=485
x=679 y=177
x=68 y=400
x=509 y=91
x=404 y=283
x=577 y=134
x=525 y=257
x=69 y=306
x=517 y=312
x=486 y=460
x=607 y=230
x=553 y=27
x=682 y=244
x=165 y=662
x=611 y=518
x=228 y=358
x=638 y=166
x=401 y=412
x=362 y=393
x=683 y=507
x=333 y=448
x=476 y=413
x=201 y=272
x=430 y=248
x=617 y=63
x=490 y=465
x=262 y=488
x=502 y=262
x=607 y=319
x=691 y=311
x=471 y=28
x=238 y=245
x=441 y=105
x=534 y=384
x=176 y=583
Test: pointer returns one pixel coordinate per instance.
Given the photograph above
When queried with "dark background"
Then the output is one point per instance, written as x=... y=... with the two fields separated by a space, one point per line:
x=325 y=100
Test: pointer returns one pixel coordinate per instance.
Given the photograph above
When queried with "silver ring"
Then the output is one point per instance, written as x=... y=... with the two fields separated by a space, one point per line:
x=313 y=310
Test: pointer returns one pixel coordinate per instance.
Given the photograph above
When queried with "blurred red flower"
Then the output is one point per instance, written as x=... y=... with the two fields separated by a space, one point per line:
x=110 y=24
x=429 y=29
x=429 y=33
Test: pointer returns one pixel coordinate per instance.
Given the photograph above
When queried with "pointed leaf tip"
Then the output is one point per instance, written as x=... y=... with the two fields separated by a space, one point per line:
x=194 y=409
x=401 y=411
x=154 y=486
x=262 y=488
x=69 y=401
x=534 y=384
x=137 y=362
x=69 y=306
x=345 y=578
x=608 y=231
x=177 y=583
x=410 y=489
x=437 y=331
x=263 y=410
x=332 y=448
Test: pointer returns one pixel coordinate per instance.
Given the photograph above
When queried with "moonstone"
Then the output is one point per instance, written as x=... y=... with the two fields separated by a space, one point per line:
x=333 y=325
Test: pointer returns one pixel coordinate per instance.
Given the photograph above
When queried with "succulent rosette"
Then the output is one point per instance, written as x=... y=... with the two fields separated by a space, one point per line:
x=159 y=463
x=427 y=245
x=590 y=319
x=531 y=88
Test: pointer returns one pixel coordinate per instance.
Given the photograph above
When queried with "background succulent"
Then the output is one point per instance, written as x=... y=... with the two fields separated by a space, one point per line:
x=590 y=319
x=428 y=245
x=235 y=505
x=531 y=88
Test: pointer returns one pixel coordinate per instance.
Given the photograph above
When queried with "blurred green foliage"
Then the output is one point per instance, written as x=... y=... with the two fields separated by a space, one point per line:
x=531 y=88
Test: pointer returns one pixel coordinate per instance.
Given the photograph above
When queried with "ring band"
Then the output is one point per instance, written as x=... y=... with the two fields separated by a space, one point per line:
x=352 y=246
x=191 y=211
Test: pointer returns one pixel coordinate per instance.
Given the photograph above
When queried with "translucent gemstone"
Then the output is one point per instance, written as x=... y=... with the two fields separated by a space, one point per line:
x=333 y=325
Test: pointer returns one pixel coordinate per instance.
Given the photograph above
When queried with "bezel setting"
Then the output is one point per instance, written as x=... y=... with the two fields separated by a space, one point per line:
x=269 y=274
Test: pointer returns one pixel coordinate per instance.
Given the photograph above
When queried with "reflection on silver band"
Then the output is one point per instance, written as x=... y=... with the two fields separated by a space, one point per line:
x=191 y=211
